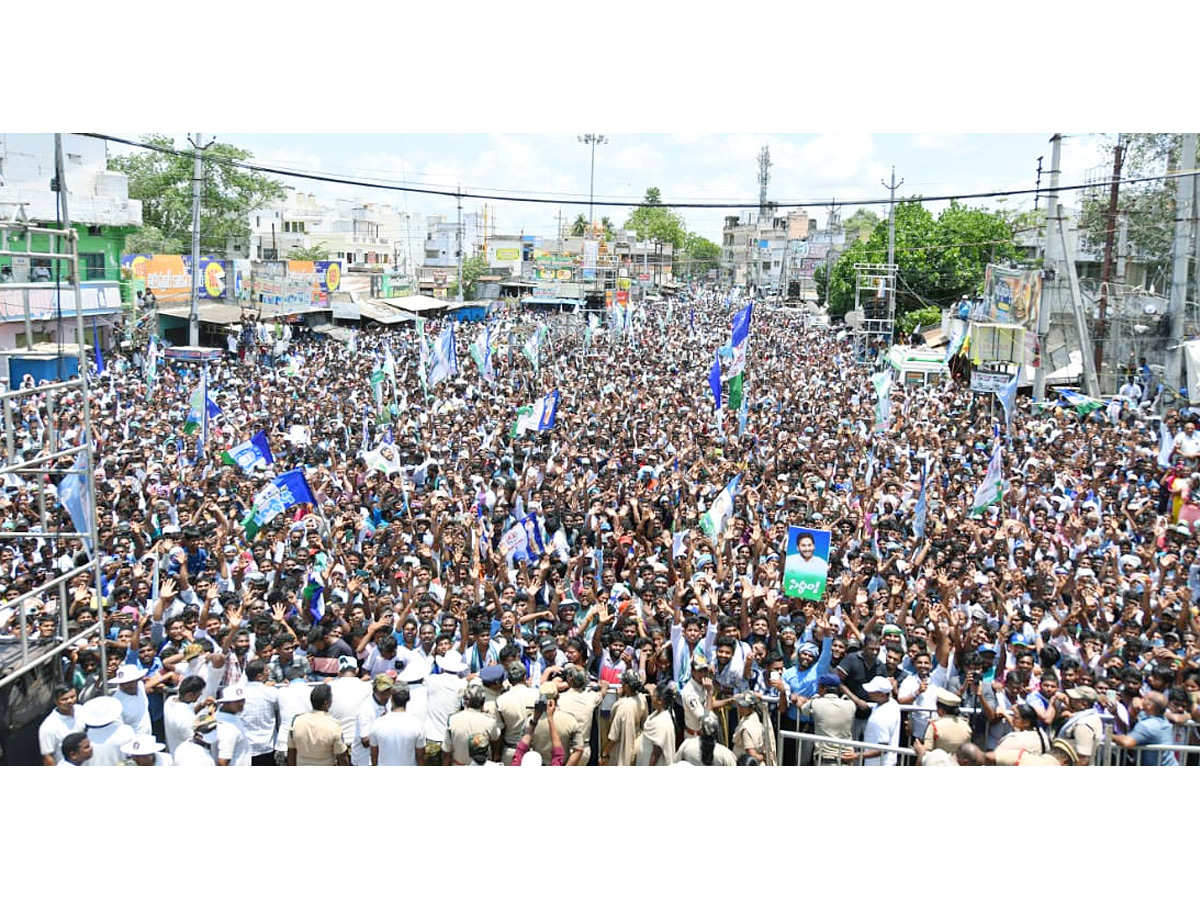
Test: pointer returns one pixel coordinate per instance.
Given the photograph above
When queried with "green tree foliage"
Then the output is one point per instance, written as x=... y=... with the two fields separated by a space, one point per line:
x=163 y=182
x=473 y=267
x=1148 y=207
x=654 y=222
x=579 y=226
x=938 y=259
x=315 y=253
x=860 y=226
x=699 y=254
x=150 y=239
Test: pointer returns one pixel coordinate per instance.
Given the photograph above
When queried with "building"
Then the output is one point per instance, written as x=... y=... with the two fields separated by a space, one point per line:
x=102 y=215
x=353 y=232
x=754 y=245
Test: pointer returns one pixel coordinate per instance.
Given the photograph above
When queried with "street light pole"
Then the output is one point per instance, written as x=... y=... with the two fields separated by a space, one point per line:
x=592 y=139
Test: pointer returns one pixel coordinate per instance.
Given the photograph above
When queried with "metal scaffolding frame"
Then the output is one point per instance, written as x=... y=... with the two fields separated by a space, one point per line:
x=875 y=304
x=47 y=461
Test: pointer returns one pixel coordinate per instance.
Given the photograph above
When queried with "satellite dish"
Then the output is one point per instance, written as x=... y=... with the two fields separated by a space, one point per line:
x=853 y=318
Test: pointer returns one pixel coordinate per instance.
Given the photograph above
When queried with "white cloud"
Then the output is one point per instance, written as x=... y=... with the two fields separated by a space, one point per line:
x=938 y=141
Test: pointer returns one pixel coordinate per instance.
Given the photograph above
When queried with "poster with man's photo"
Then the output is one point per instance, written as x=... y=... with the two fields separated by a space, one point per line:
x=806 y=566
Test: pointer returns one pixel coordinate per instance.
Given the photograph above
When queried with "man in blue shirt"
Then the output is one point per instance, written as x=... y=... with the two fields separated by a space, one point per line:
x=1151 y=728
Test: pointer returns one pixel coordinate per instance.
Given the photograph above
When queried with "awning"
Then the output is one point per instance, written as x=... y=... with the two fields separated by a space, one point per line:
x=230 y=313
x=381 y=312
x=550 y=301
x=335 y=332
x=217 y=313
x=418 y=303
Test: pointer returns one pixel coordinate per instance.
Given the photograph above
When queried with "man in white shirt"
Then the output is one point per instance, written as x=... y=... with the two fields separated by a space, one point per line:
x=348 y=695
x=398 y=738
x=198 y=751
x=921 y=690
x=76 y=749
x=135 y=705
x=144 y=750
x=295 y=699
x=443 y=698
x=260 y=717
x=179 y=712
x=105 y=730
x=1187 y=443
x=369 y=712
x=883 y=725
x=233 y=749
x=56 y=726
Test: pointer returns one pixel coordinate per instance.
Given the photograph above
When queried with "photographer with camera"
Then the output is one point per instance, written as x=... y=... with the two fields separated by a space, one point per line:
x=544 y=712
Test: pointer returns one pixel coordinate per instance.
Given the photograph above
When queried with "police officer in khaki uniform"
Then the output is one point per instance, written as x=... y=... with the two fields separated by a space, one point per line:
x=513 y=708
x=582 y=704
x=949 y=730
x=569 y=731
x=1084 y=728
x=456 y=749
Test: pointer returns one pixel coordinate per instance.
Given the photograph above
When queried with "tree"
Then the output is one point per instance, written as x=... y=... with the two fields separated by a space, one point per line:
x=472 y=268
x=860 y=225
x=149 y=239
x=1148 y=207
x=654 y=222
x=607 y=225
x=315 y=253
x=937 y=260
x=163 y=182
x=699 y=255
x=579 y=226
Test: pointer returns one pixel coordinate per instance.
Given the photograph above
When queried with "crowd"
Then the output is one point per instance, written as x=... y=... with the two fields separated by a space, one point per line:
x=458 y=593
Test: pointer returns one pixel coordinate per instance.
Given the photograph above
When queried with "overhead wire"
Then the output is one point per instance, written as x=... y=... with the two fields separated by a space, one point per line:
x=567 y=201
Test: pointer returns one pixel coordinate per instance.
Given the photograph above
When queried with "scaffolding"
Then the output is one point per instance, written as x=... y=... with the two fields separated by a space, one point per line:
x=1136 y=327
x=50 y=461
x=875 y=308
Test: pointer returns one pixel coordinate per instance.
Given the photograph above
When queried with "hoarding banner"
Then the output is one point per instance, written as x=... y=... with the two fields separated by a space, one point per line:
x=806 y=566
x=1012 y=296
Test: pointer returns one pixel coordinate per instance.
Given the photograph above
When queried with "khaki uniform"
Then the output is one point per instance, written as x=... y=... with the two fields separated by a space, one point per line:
x=513 y=709
x=947 y=733
x=694 y=699
x=570 y=734
x=1084 y=734
x=833 y=716
x=582 y=705
x=749 y=735
x=463 y=724
x=317 y=739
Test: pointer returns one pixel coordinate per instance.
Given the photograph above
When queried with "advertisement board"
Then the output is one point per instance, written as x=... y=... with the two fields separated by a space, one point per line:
x=1012 y=296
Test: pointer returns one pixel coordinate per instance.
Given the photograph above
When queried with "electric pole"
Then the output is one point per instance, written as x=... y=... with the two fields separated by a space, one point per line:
x=1043 y=322
x=1110 y=234
x=1174 y=374
x=460 y=249
x=592 y=139
x=197 y=183
x=892 y=243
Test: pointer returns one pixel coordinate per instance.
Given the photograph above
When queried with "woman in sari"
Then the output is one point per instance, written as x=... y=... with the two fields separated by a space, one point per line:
x=656 y=747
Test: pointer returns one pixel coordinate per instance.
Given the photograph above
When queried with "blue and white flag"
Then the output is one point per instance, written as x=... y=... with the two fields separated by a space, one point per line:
x=921 y=511
x=72 y=494
x=99 y=355
x=251 y=453
x=714 y=381
x=1007 y=396
x=743 y=412
x=314 y=596
x=285 y=491
x=481 y=352
x=444 y=359
x=538 y=417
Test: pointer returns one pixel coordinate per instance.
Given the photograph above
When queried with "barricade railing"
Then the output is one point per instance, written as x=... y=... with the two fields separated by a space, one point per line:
x=905 y=756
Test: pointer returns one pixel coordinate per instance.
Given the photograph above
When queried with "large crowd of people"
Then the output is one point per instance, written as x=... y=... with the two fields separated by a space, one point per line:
x=460 y=591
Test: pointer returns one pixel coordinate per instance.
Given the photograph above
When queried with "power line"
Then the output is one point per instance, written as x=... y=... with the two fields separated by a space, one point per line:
x=816 y=204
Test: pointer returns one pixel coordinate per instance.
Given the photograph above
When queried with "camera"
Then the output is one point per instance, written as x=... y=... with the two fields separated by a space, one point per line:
x=540 y=706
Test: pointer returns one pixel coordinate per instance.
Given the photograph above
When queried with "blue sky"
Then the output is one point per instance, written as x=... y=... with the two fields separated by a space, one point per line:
x=686 y=167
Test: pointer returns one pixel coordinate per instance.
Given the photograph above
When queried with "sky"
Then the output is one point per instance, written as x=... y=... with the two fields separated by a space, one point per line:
x=686 y=168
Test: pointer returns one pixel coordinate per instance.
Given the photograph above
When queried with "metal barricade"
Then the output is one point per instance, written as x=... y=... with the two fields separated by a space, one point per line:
x=905 y=756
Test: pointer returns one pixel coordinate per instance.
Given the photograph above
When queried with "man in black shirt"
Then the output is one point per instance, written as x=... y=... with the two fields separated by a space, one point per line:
x=856 y=670
x=324 y=650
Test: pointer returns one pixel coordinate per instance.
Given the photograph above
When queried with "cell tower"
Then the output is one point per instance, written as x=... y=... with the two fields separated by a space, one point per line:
x=764 y=178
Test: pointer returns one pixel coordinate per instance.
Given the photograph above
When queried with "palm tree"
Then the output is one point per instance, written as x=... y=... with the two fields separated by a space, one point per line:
x=607 y=225
x=579 y=226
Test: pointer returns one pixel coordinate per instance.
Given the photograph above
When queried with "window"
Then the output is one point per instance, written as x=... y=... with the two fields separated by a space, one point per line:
x=258 y=223
x=91 y=266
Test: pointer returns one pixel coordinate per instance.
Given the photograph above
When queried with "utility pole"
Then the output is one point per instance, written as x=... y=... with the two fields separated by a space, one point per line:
x=460 y=236
x=1043 y=323
x=892 y=242
x=197 y=183
x=592 y=139
x=1184 y=191
x=1110 y=234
